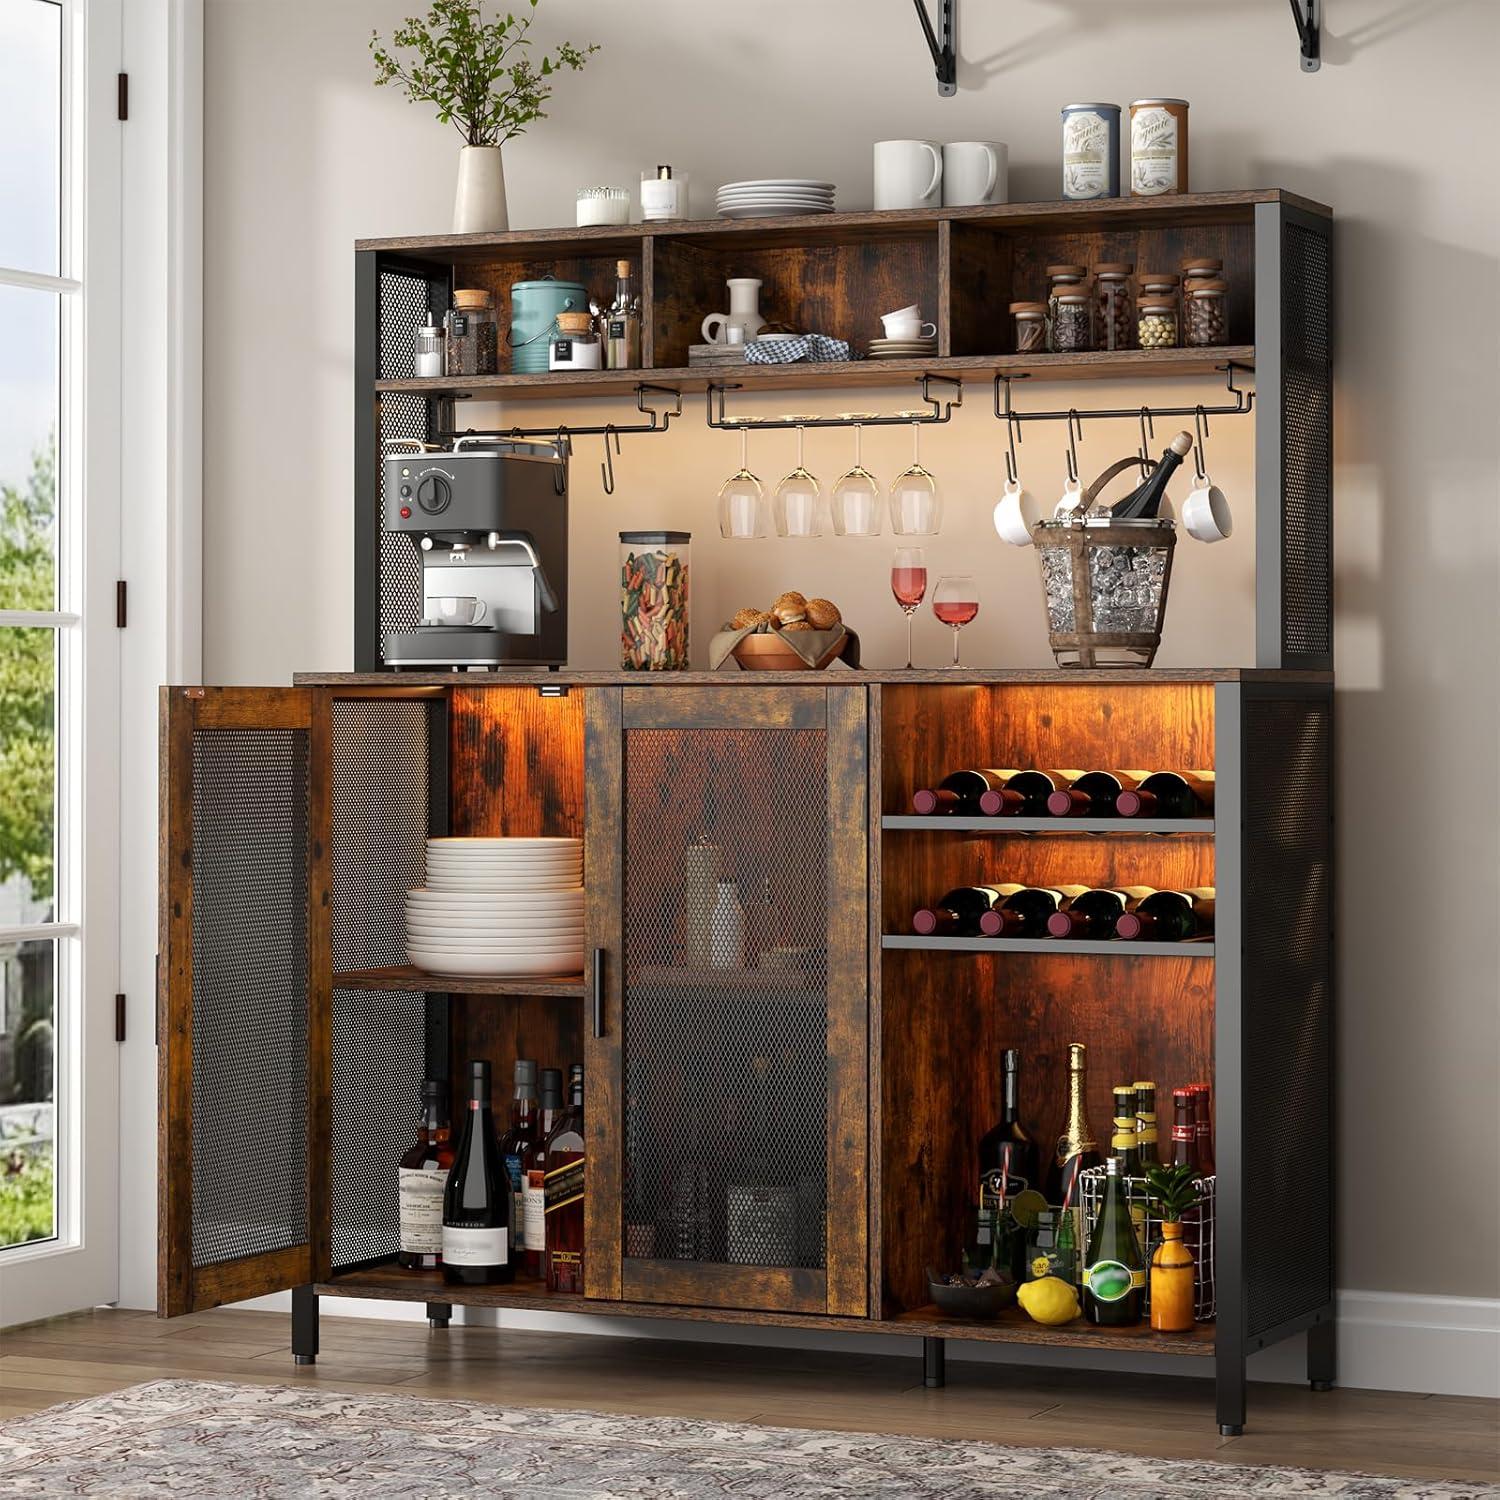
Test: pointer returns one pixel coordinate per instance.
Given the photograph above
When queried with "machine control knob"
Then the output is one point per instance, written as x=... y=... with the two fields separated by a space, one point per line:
x=425 y=544
x=433 y=493
x=406 y=492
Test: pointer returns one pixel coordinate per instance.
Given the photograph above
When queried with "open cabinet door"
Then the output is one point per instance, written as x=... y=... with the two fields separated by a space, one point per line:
x=242 y=994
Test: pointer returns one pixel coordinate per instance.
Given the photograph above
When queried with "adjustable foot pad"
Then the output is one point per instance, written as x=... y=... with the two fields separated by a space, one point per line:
x=1321 y=1385
x=1231 y=1429
x=305 y=1359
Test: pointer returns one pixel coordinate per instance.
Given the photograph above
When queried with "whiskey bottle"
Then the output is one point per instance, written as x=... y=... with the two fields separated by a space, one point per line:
x=519 y=1139
x=1076 y=1147
x=1008 y=1157
x=1168 y=794
x=1184 y=1131
x=563 y=1190
x=1094 y=914
x=622 y=323
x=965 y=912
x=1114 y=1270
x=421 y=1176
x=476 y=1198
x=534 y=1222
x=1145 y=502
x=1092 y=795
x=1203 y=1127
x=1168 y=917
x=1124 y=1147
x=1145 y=1126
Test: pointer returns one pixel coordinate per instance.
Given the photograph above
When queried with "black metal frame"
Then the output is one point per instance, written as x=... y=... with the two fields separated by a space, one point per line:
x=942 y=409
x=944 y=51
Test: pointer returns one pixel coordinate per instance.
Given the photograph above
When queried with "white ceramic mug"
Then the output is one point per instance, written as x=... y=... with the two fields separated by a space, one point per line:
x=908 y=174
x=1205 y=512
x=975 y=172
x=907 y=324
x=1016 y=512
x=459 y=609
x=1072 y=497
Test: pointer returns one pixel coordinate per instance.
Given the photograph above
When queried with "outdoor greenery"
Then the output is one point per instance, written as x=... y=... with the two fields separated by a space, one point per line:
x=479 y=73
x=25 y=1196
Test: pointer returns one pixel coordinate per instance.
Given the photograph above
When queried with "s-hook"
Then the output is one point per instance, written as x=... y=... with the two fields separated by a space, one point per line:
x=1148 y=436
x=607 y=468
x=1012 y=437
x=1200 y=432
x=1075 y=436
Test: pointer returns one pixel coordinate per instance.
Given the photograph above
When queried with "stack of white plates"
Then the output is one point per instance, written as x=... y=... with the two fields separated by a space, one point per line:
x=902 y=348
x=498 y=908
x=775 y=195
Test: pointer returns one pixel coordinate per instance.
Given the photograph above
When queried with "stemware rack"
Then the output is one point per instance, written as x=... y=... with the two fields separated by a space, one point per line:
x=940 y=409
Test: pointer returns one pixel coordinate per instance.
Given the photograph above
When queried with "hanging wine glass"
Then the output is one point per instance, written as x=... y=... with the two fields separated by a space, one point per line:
x=856 y=497
x=955 y=602
x=909 y=585
x=742 y=501
x=797 y=505
x=916 y=505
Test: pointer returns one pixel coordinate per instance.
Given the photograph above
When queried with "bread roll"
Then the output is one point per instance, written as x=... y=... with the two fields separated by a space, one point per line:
x=745 y=617
x=823 y=614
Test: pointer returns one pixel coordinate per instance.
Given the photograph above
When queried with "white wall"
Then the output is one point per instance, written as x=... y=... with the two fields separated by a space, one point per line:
x=303 y=155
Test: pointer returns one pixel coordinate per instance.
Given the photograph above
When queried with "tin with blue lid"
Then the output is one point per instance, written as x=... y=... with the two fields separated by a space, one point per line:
x=534 y=306
x=1091 y=151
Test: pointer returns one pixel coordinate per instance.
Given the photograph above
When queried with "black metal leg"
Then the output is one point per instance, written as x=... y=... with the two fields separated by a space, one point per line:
x=1322 y=1355
x=934 y=1372
x=1229 y=1391
x=304 y=1325
x=439 y=1314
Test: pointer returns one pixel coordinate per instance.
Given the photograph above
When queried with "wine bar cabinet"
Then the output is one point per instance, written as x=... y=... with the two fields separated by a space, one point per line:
x=788 y=1140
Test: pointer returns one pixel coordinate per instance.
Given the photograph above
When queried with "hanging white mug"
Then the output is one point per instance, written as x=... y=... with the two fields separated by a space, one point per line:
x=1205 y=512
x=908 y=174
x=1072 y=495
x=975 y=172
x=1016 y=512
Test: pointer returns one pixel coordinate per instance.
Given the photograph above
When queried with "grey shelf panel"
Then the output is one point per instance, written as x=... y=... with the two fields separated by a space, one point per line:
x=1202 y=828
x=1110 y=948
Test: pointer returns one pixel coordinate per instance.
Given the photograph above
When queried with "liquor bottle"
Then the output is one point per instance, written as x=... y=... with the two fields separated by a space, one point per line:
x=1025 y=910
x=476 y=1200
x=1184 y=1131
x=622 y=322
x=1076 y=1148
x=1168 y=794
x=518 y=1140
x=1093 y=795
x=563 y=1190
x=1145 y=502
x=1093 y=914
x=640 y=1222
x=1168 y=916
x=534 y=1220
x=967 y=911
x=421 y=1176
x=1008 y=1158
x=969 y=794
x=1124 y=1147
x=1203 y=1127
x=1145 y=1127
x=1114 y=1270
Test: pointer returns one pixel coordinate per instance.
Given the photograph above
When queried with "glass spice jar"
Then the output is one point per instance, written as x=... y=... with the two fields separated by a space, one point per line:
x=1114 y=311
x=1205 y=268
x=1156 y=323
x=1203 y=315
x=1057 y=278
x=1072 y=321
x=472 y=343
x=1031 y=326
x=574 y=344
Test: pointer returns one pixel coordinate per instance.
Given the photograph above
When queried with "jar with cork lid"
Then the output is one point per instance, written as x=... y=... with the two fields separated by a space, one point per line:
x=1203 y=314
x=1031 y=327
x=473 y=345
x=1114 y=309
x=574 y=345
x=1156 y=321
x=1072 y=319
x=1058 y=278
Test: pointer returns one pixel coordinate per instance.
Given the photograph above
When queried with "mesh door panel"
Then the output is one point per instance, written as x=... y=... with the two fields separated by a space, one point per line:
x=250 y=993
x=725 y=1039
x=380 y=813
x=1288 y=1010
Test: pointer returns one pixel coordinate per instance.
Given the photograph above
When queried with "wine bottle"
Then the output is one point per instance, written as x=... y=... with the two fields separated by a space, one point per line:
x=421 y=1176
x=1124 y=1146
x=563 y=1190
x=968 y=794
x=1008 y=1157
x=1145 y=1127
x=1184 y=1131
x=1168 y=794
x=476 y=1199
x=1168 y=916
x=1203 y=1127
x=640 y=1222
x=1114 y=1270
x=1076 y=1147
x=518 y=1140
x=1093 y=795
x=1145 y=502
x=967 y=911
x=1024 y=912
x=1093 y=914
x=534 y=1222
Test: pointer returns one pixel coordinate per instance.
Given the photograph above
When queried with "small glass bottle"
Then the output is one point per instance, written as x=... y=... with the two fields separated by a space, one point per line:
x=428 y=352
x=1031 y=327
x=1059 y=277
x=1072 y=320
x=622 y=323
x=1203 y=314
x=1114 y=312
x=472 y=343
x=1156 y=323
x=574 y=345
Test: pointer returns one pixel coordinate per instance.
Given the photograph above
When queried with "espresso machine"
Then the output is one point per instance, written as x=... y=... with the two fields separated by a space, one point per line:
x=488 y=518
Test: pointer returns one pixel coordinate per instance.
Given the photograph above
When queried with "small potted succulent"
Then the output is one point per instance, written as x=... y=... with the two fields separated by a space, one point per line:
x=1173 y=1192
x=484 y=82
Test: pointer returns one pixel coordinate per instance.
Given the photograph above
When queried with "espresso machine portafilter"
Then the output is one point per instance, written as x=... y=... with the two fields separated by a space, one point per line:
x=489 y=521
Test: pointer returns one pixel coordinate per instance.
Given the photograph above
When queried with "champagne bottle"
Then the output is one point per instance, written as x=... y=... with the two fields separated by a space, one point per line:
x=1168 y=794
x=1168 y=916
x=1008 y=1157
x=421 y=1177
x=1076 y=1147
x=967 y=911
x=1124 y=1146
x=1094 y=914
x=1145 y=502
x=1093 y=795
x=477 y=1199
x=562 y=1192
x=1114 y=1270
x=1203 y=1127
x=1145 y=1126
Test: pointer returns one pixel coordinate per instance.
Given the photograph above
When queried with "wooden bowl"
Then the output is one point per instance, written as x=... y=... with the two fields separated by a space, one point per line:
x=767 y=652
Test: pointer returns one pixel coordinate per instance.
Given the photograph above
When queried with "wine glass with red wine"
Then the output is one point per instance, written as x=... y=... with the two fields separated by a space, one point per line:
x=955 y=601
x=909 y=585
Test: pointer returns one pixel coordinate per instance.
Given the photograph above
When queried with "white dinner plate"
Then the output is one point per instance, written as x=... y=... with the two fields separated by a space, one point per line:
x=453 y=842
x=494 y=967
x=759 y=195
x=777 y=202
x=519 y=862
x=456 y=932
x=777 y=212
x=496 y=903
x=561 y=952
x=780 y=182
x=534 y=886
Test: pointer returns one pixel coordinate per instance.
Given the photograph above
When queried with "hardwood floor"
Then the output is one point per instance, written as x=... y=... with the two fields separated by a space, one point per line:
x=1385 y=1432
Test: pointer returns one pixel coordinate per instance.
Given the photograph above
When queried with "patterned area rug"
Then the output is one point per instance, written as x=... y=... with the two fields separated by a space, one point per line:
x=209 y=1439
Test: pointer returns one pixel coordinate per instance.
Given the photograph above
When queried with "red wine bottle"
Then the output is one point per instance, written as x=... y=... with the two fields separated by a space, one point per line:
x=968 y=911
x=969 y=794
x=1145 y=502
x=421 y=1176
x=1008 y=1157
x=1168 y=794
x=477 y=1198
x=1093 y=795
x=1203 y=1127
x=1094 y=914
x=1168 y=916
x=1184 y=1131
x=1024 y=913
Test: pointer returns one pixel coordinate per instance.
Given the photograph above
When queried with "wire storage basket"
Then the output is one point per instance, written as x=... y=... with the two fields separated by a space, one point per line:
x=1197 y=1231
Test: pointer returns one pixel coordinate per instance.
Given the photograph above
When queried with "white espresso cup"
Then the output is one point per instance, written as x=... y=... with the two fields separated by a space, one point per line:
x=908 y=174
x=1205 y=512
x=459 y=609
x=906 y=323
x=1016 y=512
x=1068 y=502
x=975 y=172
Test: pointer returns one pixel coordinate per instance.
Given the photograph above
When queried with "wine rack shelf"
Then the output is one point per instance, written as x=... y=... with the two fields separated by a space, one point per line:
x=406 y=979
x=1111 y=948
x=1202 y=828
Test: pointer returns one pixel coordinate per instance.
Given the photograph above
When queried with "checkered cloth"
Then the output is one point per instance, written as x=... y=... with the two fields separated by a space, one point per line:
x=815 y=348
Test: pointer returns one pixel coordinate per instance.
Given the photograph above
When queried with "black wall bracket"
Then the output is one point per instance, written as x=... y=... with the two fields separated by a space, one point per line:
x=1308 y=18
x=944 y=48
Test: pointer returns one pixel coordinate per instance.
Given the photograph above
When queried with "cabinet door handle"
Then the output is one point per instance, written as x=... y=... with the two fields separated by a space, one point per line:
x=599 y=991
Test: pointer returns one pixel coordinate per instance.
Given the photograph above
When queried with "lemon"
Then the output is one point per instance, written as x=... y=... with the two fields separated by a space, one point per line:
x=1050 y=1300
x=1025 y=1206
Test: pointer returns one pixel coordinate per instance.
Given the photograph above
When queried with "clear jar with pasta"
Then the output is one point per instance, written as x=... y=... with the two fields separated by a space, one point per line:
x=1072 y=320
x=1114 y=307
x=1031 y=326
x=1204 y=319
x=1156 y=322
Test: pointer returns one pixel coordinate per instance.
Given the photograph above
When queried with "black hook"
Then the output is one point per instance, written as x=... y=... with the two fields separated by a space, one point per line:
x=1075 y=424
x=1148 y=436
x=1200 y=432
x=607 y=468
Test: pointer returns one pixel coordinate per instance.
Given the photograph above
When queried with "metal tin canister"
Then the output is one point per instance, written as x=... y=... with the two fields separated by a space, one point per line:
x=534 y=306
x=1158 y=147
x=1091 y=150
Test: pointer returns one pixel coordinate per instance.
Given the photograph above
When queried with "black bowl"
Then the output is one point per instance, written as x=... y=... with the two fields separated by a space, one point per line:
x=986 y=1301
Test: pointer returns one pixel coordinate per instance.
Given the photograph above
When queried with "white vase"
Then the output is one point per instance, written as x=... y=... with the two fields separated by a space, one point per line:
x=479 y=204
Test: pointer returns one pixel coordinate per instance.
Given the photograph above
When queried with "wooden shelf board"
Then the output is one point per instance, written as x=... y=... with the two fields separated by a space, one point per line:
x=1014 y=1327
x=834 y=375
x=837 y=675
x=1107 y=948
x=405 y=977
x=916 y=823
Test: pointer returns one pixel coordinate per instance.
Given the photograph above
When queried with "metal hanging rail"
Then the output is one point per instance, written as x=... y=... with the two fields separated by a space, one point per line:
x=1244 y=400
x=563 y=432
x=942 y=408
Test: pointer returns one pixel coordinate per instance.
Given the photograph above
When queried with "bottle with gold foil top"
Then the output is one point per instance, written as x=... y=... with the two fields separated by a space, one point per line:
x=1147 y=1145
x=1123 y=1145
x=1077 y=1148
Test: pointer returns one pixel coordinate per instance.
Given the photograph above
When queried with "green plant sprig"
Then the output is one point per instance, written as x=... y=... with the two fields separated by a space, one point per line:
x=1171 y=1189
x=476 y=71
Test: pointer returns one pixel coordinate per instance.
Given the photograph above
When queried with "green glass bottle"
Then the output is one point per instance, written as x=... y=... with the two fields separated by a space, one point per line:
x=1114 y=1270
x=1124 y=1141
